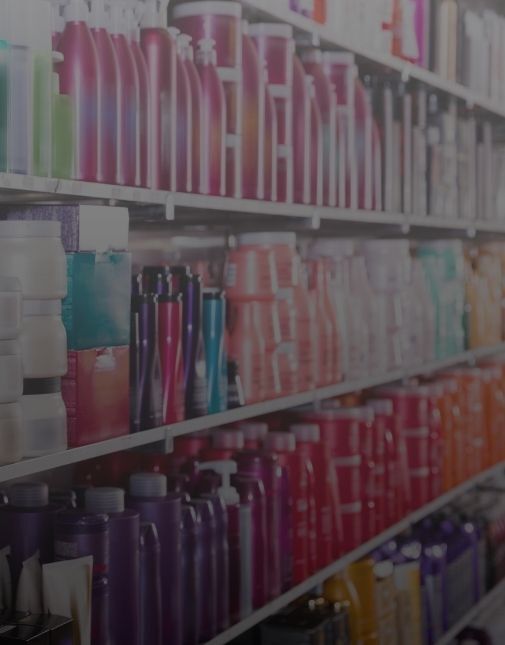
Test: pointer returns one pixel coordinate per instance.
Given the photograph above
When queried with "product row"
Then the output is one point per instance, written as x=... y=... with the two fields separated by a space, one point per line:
x=207 y=105
x=269 y=316
x=410 y=590
x=235 y=517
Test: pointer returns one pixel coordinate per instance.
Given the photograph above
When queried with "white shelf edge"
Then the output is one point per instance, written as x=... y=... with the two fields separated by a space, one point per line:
x=485 y=603
x=362 y=551
x=231 y=205
x=168 y=433
x=404 y=68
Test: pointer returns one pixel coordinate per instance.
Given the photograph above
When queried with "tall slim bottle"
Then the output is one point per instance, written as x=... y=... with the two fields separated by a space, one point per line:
x=108 y=93
x=214 y=120
x=128 y=153
x=160 y=53
x=79 y=79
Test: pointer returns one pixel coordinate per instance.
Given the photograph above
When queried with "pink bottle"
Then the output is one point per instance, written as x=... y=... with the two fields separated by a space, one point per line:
x=184 y=119
x=214 y=120
x=326 y=98
x=316 y=146
x=197 y=154
x=276 y=47
x=145 y=96
x=128 y=161
x=108 y=93
x=271 y=144
x=79 y=79
x=159 y=50
x=302 y=148
x=254 y=104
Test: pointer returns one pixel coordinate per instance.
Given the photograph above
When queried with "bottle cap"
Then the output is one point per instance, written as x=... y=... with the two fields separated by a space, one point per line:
x=105 y=500
x=226 y=469
x=280 y=442
x=206 y=52
x=228 y=439
x=148 y=485
x=306 y=432
x=29 y=495
x=254 y=431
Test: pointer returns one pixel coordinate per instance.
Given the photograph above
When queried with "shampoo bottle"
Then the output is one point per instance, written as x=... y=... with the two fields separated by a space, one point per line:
x=79 y=79
x=148 y=496
x=108 y=93
x=159 y=50
x=150 y=586
x=124 y=532
x=128 y=138
x=214 y=120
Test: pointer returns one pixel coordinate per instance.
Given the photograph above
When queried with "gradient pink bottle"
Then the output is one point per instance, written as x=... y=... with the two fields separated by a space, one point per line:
x=128 y=160
x=316 y=146
x=195 y=85
x=326 y=98
x=214 y=120
x=271 y=143
x=184 y=119
x=108 y=93
x=144 y=92
x=79 y=79
x=159 y=50
x=253 y=105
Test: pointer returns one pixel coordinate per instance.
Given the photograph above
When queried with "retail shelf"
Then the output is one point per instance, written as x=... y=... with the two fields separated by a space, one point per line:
x=495 y=598
x=362 y=551
x=194 y=208
x=166 y=434
x=269 y=10
x=16 y=188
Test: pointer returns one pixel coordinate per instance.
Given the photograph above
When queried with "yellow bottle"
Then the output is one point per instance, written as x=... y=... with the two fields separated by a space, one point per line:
x=340 y=589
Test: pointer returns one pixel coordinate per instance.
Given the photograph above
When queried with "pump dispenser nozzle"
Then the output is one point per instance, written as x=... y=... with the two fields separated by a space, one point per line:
x=226 y=469
x=184 y=46
x=99 y=16
x=206 y=52
x=155 y=14
x=76 y=11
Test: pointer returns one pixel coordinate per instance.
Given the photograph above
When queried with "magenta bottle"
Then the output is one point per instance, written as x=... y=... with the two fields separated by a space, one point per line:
x=128 y=163
x=252 y=493
x=159 y=50
x=184 y=119
x=108 y=93
x=326 y=98
x=253 y=122
x=214 y=120
x=187 y=53
x=79 y=79
x=150 y=586
x=144 y=115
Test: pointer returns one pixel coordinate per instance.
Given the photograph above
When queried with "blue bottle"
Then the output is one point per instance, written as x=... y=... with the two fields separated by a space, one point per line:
x=214 y=321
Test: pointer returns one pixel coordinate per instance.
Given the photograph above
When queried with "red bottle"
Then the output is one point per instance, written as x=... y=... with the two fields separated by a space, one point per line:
x=214 y=120
x=184 y=119
x=79 y=79
x=108 y=93
x=308 y=443
x=145 y=98
x=159 y=50
x=128 y=163
x=172 y=369
x=187 y=54
x=299 y=473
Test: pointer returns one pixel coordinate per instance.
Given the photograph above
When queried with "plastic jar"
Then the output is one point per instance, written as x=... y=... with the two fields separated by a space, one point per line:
x=11 y=372
x=43 y=339
x=10 y=308
x=32 y=252
x=44 y=417
x=11 y=433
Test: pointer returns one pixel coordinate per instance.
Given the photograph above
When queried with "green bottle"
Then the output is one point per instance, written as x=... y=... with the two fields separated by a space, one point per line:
x=42 y=113
x=63 y=133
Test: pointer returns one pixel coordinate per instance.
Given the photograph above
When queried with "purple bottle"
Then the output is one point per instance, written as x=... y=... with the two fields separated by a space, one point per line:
x=77 y=534
x=148 y=496
x=252 y=493
x=124 y=530
x=192 y=571
x=27 y=525
x=65 y=498
x=265 y=467
x=100 y=611
x=150 y=586
x=79 y=79
x=108 y=93
x=207 y=628
x=145 y=373
x=128 y=161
